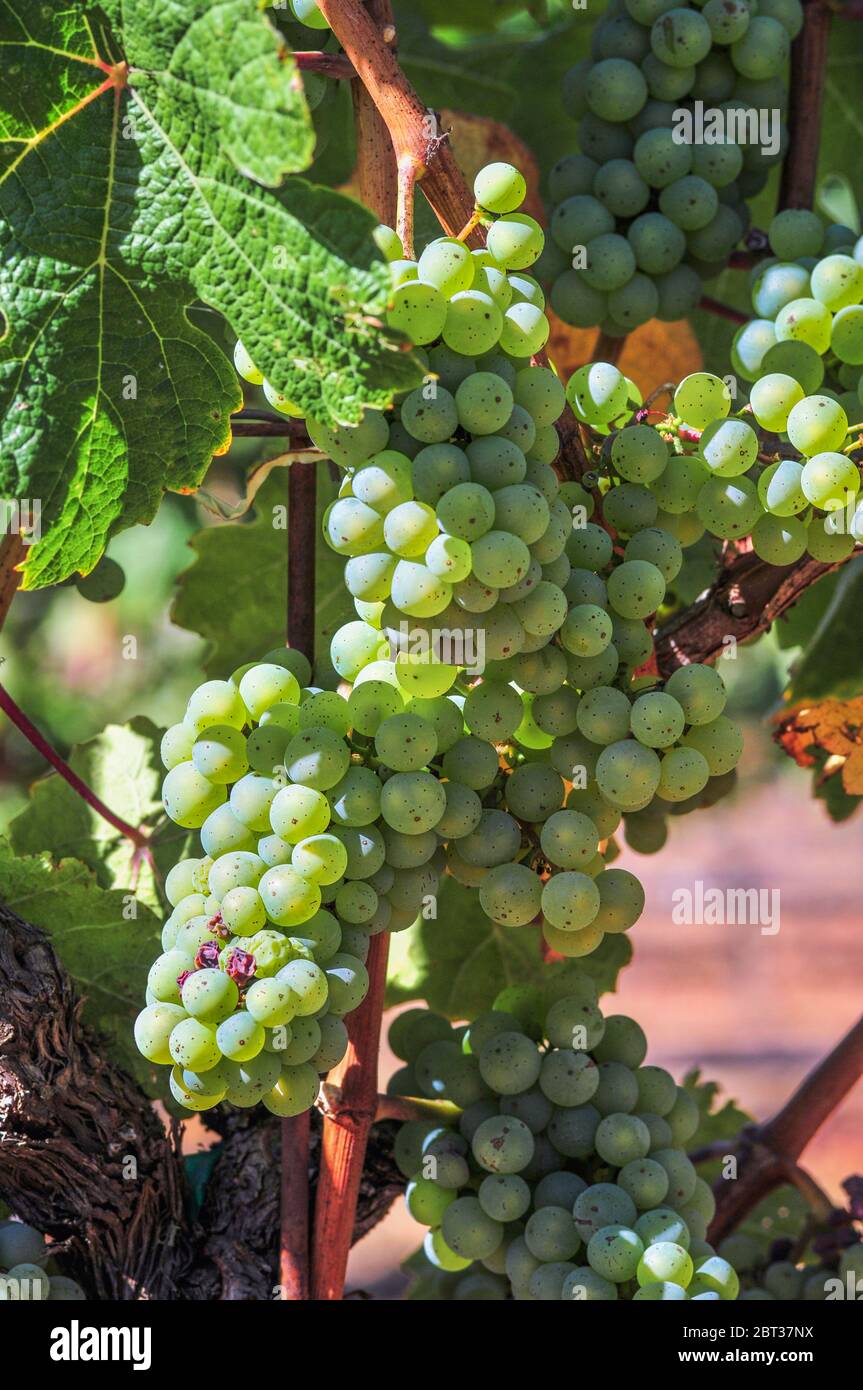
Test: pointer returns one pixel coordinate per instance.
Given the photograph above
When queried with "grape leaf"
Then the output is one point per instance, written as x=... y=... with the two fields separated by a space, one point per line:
x=106 y=940
x=121 y=765
x=460 y=961
x=235 y=594
x=132 y=180
x=831 y=665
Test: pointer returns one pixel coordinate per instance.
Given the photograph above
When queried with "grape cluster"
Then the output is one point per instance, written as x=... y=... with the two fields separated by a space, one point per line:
x=803 y=357
x=24 y=1256
x=564 y=1176
x=247 y=1000
x=778 y=1275
x=543 y=756
x=640 y=221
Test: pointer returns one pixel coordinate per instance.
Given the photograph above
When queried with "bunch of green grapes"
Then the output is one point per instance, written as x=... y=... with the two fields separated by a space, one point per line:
x=542 y=756
x=565 y=1174
x=641 y=219
x=782 y=468
x=26 y=1269
x=308 y=852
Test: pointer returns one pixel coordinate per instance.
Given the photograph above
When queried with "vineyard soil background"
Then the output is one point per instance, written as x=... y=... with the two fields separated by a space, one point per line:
x=431 y=718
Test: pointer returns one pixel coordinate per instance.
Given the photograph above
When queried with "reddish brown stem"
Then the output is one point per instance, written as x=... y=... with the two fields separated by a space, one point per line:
x=294 y=1276
x=263 y=424
x=722 y=311
x=327 y=64
x=346 y=1135
x=12 y=552
x=376 y=169
x=139 y=838
x=808 y=73
x=413 y=128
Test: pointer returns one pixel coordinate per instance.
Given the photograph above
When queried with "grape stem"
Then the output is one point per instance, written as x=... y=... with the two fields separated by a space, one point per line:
x=262 y=424
x=723 y=311
x=807 y=79
x=327 y=64
x=410 y=169
x=139 y=838
x=12 y=553
x=746 y=598
x=768 y=1154
x=469 y=226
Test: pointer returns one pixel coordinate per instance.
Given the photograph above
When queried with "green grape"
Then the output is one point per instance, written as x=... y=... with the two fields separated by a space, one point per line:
x=300 y=811
x=685 y=772
x=419 y=311
x=570 y=900
x=702 y=398
x=215 y=702
x=468 y=1231
x=846 y=338
x=700 y=691
x=521 y=510
x=729 y=447
x=805 y=321
x=290 y=899
x=779 y=541
x=586 y=631
x=584 y=1284
x=557 y=714
x=534 y=792
x=603 y=715
x=412 y=802
x=153 y=1028
x=574 y=301
x=448 y=265
x=222 y=832
x=614 y=1252
x=639 y=454
x=689 y=202
x=192 y=1044
x=660 y=160
x=658 y=244
x=499 y=188
x=719 y=742
x=620 y=188
x=598 y=393
x=657 y=719
x=636 y=588
x=797 y=360
x=658 y=548
x=352 y=528
x=773 y=398
x=515 y=241
x=429 y=414
x=615 y=89
x=317 y=758
x=628 y=774
x=525 y=330
x=322 y=859
x=484 y=402
x=503 y=1144
x=467 y=511
x=551 y=1236
x=763 y=50
x=572 y=174
x=240 y=1037
x=509 y=1063
x=681 y=38
x=500 y=558
x=830 y=480
x=677 y=488
x=472 y=324
x=569 y=839
x=729 y=508
x=629 y=507
x=751 y=344
x=568 y=1078
x=777 y=285
x=826 y=539
x=622 y=1139
x=177 y=745
x=817 y=424
x=794 y=233
x=189 y=798
x=665 y=1262
x=728 y=19
x=715 y=1275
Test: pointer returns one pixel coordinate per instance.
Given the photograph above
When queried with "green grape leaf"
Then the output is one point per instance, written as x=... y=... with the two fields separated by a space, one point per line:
x=134 y=178
x=235 y=594
x=460 y=961
x=121 y=765
x=717 y=1121
x=831 y=665
x=106 y=940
